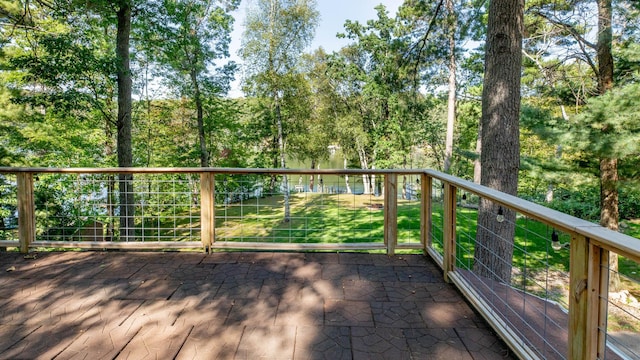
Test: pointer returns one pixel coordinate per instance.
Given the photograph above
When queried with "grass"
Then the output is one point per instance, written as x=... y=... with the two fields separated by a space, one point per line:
x=314 y=218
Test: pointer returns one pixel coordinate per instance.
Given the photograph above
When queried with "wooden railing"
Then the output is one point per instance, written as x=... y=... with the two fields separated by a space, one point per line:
x=207 y=192
x=590 y=244
x=589 y=261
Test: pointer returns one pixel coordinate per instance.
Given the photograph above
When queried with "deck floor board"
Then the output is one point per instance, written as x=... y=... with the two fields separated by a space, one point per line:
x=107 y=305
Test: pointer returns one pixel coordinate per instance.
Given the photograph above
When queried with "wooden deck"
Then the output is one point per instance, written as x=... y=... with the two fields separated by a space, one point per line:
x=235 y=305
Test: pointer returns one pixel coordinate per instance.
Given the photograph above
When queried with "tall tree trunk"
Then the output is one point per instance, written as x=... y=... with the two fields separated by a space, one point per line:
x=477 y=167
x=111 y=182
x=551 y=187
x=283 y=164
x=204 y=153
x=274 y=153
x=609 y=212
x=311 y=178
x=500 y=154
x=364 y=164
x=346 y=178
x=150 y=134
x=123 y=123
x=451 y=103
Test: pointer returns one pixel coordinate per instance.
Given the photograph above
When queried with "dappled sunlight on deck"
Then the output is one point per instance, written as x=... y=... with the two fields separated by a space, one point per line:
x=242 y=305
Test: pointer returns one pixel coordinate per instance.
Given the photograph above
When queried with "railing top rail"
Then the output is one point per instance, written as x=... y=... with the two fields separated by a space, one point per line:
x=194 y=170
x=620 y=243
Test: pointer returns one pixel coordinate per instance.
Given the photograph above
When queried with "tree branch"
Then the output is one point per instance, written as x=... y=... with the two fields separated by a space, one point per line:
x=423 y=43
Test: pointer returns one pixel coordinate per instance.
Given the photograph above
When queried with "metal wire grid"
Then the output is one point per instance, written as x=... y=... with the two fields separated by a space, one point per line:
x=533 y=302
x=409 y=203
x=168 y=207
x=437 y=216
x=622 y=330
x=8 y=207
x=323 y=209
x=86 y=207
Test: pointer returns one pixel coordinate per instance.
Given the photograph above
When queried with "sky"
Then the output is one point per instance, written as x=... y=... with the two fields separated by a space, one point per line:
x=333 y=14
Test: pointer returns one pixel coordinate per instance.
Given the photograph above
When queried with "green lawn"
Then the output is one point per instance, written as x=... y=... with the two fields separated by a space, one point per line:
x=315 y=218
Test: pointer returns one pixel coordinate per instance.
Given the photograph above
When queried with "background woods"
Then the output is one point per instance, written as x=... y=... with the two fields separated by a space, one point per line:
x=134 y=83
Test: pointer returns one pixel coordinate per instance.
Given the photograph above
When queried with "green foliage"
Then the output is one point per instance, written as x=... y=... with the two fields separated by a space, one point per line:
x=276 y=33
x=582 y=203
x=630 y=202
x=53 y=203
x=608 y=126
x=381 y=114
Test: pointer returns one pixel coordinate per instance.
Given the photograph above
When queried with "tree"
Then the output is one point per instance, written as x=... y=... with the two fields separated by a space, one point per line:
x=376 y=92
x=186 y=37
x=451 y=99
x=587 y=71
x=277 y=31
x=500 y=154
x=317 y=131
x=123 y=121
x=609 y=197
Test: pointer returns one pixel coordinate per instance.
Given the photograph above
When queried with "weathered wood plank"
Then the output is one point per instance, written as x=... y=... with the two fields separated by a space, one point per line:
x=599 y=291
x=139 y=245
x=26 y=211
x=391 y=212
x=207 y=210
x=425 y=211
x=584 y=284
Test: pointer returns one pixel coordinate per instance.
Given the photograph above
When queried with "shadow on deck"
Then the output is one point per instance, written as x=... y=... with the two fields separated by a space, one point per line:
x=242 y=305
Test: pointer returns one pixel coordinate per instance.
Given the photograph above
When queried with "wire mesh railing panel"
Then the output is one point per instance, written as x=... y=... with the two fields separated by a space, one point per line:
x=409 y=205
x=511 y=263
x=316 y=209
x=8 y=207
x=622 y=329
x=167 y=207
x=437 y=216
x=520 y=268
x=108 y=207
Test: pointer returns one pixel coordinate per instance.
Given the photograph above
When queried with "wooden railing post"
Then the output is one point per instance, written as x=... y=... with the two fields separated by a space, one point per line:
x=425 y=212
x=391 y=212
x=207 y=210
x=599 y=282
x=588 y=287
x=26 y=211
x=449 y=236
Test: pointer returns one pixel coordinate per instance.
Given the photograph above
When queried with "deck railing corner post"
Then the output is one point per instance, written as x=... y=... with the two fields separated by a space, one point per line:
x=425 y=212
x=390 y=212
x=207 y=211
x=26 y=210
x=588 y=287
